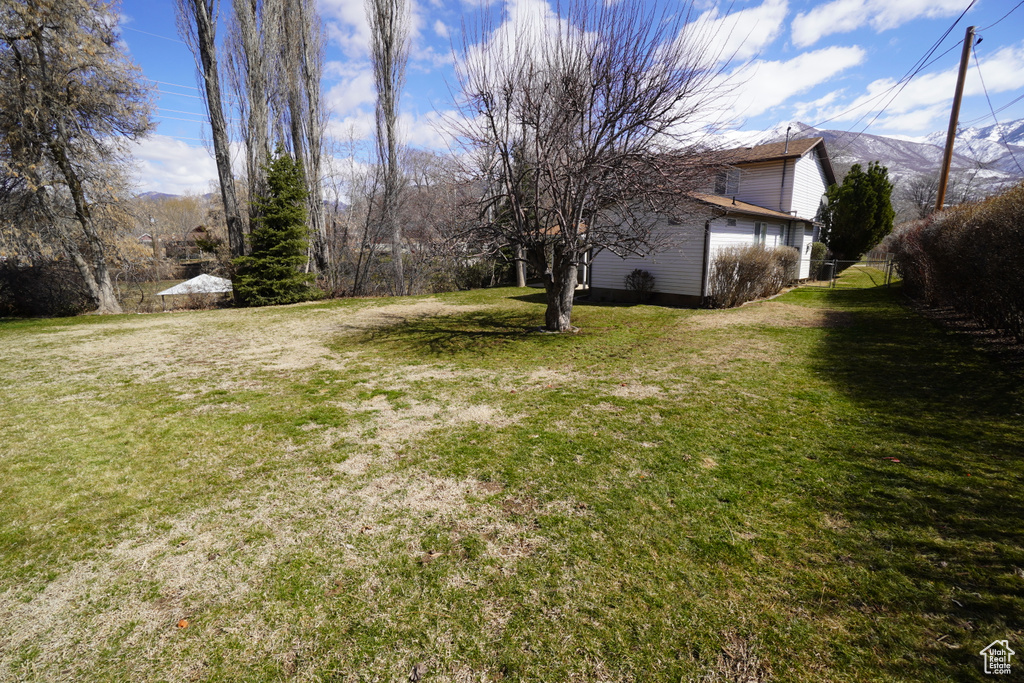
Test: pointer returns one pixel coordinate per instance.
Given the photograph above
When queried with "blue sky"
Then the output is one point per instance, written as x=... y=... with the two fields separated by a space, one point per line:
x=830 y=64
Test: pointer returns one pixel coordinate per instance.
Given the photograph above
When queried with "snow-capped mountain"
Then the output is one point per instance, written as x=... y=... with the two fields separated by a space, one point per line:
x=995 y=153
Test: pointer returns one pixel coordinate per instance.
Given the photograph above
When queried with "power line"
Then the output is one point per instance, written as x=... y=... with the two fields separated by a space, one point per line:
x=176 y=85
x=155 y=35
x=179 y=111
x=889 y=89
x=1017 y=6
x=918 y=67
x=991 y=109
x=1009 y=104
x=175 y=118
x=204 y=118
x=178 y=94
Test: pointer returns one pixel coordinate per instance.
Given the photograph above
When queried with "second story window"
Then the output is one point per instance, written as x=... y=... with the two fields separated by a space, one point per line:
x=727 y=183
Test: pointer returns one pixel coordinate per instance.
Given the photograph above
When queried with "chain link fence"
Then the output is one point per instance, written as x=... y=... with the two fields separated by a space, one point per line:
x=827 y=272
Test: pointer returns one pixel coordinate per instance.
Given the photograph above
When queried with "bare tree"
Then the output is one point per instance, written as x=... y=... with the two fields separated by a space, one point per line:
x=585 y=129
x=916 y=195
x=303 y=60
x=197 y=26
x=275 y=62
x=251 y=59
x=389 y=50
x=68 y=101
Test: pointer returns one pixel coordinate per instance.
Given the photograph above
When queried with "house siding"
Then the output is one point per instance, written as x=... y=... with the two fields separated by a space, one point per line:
x=677 y=270
x=810 y=185
x=761 y=184
x=793 y=186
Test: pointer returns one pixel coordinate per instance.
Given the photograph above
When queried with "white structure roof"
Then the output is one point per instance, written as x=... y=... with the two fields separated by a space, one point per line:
x=203 y=284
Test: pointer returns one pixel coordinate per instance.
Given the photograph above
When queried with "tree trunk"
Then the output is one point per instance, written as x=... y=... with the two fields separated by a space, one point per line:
x=520 y=267
x=101 y=289
x=253 y=89
x=205 y=43
x=560 y=285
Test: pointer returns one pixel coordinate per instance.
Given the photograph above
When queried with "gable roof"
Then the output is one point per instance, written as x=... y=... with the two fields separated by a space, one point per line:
x=728 y=205
x=778 y=151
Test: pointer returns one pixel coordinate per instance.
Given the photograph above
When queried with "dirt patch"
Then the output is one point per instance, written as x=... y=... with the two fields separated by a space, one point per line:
x=391 y=428
x=738 y=662
x=196 y=344
x=635 y=390
x=771 y=314
x=763 y=351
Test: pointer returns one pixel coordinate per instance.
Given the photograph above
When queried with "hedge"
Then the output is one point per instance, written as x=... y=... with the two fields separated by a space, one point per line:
x=969 y=257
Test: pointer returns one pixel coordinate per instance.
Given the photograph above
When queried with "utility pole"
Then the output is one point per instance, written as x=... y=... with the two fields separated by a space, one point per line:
x=954 y=117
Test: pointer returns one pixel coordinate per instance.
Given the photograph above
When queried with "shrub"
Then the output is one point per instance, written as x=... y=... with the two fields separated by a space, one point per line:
x=819 y=252
x=969 y=258
x=47 y=289
x=744 y=273
x=641 y=284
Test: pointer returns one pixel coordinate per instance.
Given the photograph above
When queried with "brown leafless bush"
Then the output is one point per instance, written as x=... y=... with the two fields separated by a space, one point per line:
x=970 y=258
x=744 y=273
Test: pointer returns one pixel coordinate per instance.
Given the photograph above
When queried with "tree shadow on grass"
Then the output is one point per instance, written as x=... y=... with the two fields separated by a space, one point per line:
x=484 y=332
x=935 y=510
x=581 y=299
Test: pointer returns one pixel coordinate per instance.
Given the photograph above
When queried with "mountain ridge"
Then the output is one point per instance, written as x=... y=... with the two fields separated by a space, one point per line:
x=993 y=155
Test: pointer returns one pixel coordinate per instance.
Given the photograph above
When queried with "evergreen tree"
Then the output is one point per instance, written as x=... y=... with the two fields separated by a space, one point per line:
x=859 y=212
x=271 y=273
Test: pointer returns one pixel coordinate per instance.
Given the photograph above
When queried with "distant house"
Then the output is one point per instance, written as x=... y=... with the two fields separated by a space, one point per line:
x=770 y=195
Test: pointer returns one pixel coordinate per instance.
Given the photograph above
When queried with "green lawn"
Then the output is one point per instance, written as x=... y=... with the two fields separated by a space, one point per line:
x=822 y=487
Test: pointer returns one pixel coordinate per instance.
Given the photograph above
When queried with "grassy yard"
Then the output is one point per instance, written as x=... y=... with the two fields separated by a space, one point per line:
x=822 y=487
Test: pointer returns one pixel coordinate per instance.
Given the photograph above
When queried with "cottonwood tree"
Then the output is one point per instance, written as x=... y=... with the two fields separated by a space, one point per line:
x=275 y=63
x=389 y=52
x=583 y=130
x=197 y=26
x=69 y=99
x=306 y=116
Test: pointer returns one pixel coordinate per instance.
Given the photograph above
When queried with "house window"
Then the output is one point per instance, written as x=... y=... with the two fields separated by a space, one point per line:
x=727 y=183
x=760 y=232
x=786 y=236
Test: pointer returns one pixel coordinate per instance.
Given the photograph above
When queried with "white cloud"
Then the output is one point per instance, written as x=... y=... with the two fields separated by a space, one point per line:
x=431 y=130
x=353 y=88
x=164 y=164
x=842 y=16
x=441 y=29
x=763 y=85
x=917 y=105
x=741 y=35
x=924 y=119
x=347 y=25
x=426 y=58
x=355 y=127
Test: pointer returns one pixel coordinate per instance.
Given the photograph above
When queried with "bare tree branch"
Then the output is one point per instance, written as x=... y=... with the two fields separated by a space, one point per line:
x=587 y=131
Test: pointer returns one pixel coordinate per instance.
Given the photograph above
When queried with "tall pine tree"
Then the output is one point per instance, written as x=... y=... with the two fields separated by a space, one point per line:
x=859 y=212
x=271 y=274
